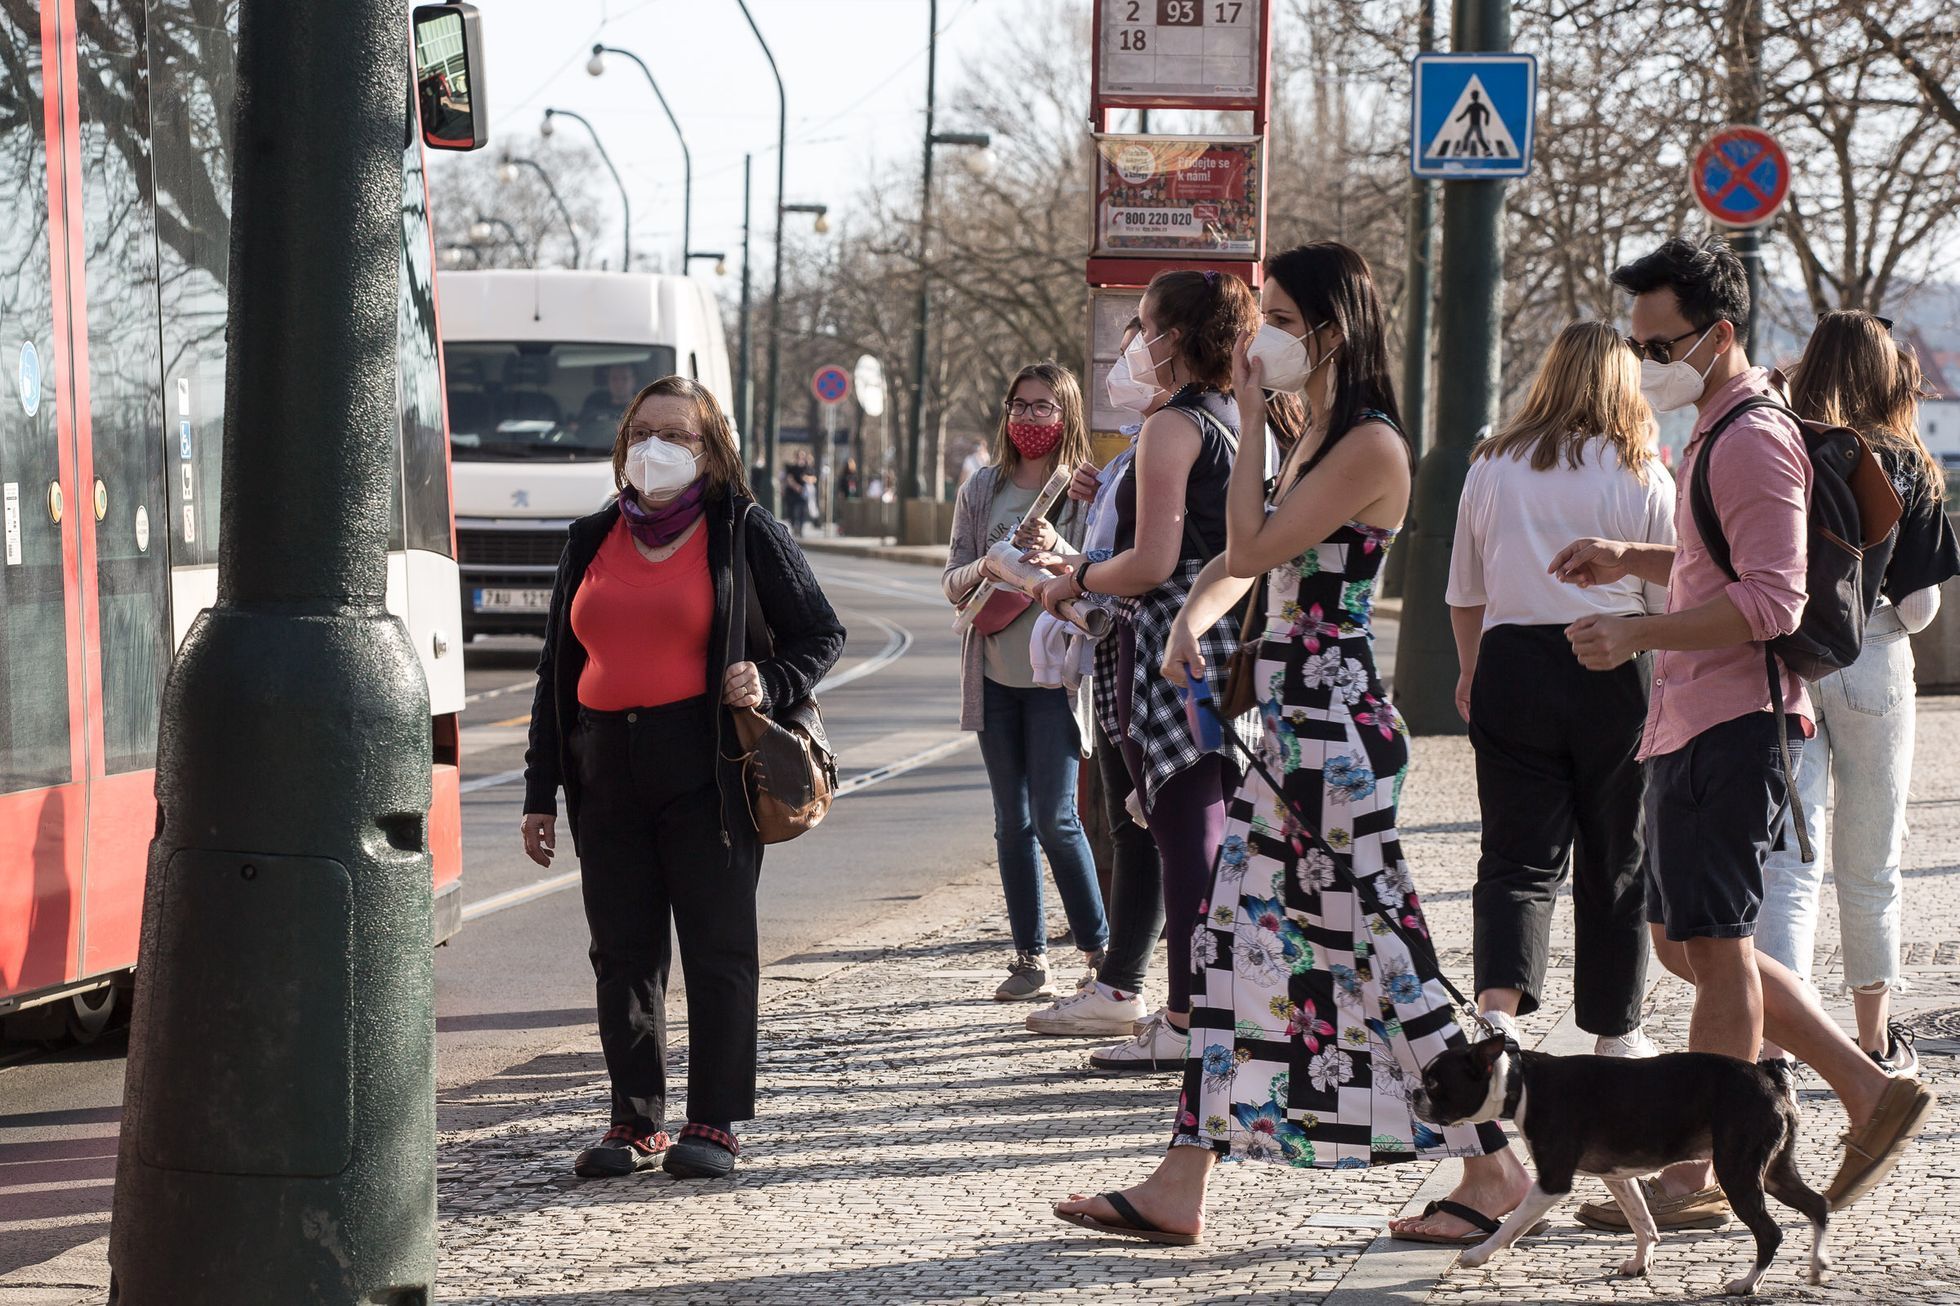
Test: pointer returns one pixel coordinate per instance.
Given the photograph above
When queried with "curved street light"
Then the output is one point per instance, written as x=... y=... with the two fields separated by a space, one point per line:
x=625 y=204
x=507 y=172
x=483 y=232
x=596 y=66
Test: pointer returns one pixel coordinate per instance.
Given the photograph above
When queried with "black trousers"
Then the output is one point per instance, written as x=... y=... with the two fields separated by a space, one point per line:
x=1136 y=882
x=653 y=864
x=1559 y=785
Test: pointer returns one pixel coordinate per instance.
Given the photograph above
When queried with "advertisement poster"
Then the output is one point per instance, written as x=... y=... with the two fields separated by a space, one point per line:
x=1178 y=195
x=1110 y=310
x=1201 y=53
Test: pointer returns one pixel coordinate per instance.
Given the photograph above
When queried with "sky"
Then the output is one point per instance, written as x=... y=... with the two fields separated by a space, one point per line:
x=854 y=72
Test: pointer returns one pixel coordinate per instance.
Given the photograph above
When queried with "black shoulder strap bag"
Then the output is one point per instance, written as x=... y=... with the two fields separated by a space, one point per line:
x=789 y=773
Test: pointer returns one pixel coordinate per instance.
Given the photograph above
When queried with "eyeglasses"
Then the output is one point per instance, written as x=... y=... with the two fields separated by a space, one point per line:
x=1660 y=351
x=1040 y=408
x=671 y=434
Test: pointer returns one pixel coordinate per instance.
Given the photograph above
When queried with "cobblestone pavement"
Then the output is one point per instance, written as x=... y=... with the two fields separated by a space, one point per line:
x=912 y=1135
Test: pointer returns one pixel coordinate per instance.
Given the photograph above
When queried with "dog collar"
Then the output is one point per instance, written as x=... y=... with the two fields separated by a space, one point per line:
x=1514 y=1079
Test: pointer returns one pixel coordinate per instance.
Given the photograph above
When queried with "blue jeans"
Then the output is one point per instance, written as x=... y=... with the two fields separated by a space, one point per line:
x=1032 y=746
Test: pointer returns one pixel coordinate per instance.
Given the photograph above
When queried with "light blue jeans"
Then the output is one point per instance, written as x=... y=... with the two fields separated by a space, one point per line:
x=1863 y=756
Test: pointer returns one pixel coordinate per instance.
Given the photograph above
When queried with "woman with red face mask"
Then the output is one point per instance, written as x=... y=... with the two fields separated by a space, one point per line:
x=1030 y=736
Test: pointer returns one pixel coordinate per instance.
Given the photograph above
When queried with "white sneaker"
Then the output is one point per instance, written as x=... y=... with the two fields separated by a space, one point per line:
x=1158 y=1045
x=1094 y=1009
x=1500 y=1022
x=1633 y=1043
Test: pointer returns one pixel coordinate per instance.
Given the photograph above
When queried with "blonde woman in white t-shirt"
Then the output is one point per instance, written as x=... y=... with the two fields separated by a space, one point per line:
x=1555 y=743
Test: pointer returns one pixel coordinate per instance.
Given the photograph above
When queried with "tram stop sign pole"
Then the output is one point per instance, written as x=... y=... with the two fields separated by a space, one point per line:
x=278 y=1138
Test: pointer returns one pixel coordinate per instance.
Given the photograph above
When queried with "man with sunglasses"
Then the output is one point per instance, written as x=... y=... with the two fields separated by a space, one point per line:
x=1715 y=791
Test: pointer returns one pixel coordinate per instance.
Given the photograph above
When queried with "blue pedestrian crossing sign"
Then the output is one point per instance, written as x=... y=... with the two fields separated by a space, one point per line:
x=1471 y=115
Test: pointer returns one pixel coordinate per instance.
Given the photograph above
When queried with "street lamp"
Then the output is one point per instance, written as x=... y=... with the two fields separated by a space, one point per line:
x=507 y=173
x=766 y=491
x=483 y=232
x=625 y=204
x=596 y=65
x=980 y=163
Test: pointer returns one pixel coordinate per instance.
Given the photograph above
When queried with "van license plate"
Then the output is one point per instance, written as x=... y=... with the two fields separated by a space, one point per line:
x=503 y=600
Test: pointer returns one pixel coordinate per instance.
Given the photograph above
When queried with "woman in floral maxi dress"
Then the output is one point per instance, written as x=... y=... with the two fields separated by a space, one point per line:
x=1311 y=1018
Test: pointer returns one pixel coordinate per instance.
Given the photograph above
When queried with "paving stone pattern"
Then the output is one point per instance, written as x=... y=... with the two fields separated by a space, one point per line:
x=913 y=1134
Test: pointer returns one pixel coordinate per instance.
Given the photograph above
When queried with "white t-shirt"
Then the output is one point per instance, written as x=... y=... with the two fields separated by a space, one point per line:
x=1514 y=520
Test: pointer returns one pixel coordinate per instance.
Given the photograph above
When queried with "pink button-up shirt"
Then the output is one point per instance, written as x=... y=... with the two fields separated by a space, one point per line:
x=1759 y=478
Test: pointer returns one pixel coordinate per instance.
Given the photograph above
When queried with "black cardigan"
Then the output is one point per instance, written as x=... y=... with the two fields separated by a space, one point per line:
x=807 y=635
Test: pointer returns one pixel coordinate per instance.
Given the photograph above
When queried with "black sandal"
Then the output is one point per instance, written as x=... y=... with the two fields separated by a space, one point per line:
x=1133 y=1226
x=1470 y=1215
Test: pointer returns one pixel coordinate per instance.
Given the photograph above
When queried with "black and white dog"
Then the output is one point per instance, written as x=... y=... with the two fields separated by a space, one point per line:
x=1623 y=1118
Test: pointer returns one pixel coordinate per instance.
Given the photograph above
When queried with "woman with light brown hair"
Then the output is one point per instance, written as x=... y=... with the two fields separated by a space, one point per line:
x=1031 y=737
x=1853 y=374
x=644 y=657
x=1555 y=743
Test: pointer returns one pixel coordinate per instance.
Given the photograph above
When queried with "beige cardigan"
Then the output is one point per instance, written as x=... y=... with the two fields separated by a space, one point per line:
x=964 y=557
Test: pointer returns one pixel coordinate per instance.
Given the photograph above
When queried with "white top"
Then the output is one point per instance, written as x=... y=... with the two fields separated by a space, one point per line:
x=1513 y=521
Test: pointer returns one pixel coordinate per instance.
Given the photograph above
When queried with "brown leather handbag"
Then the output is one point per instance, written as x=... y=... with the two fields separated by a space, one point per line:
x=789 y=773
x=1241 y=693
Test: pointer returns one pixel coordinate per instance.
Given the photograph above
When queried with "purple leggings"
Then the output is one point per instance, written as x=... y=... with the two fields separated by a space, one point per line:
x=1187 y=823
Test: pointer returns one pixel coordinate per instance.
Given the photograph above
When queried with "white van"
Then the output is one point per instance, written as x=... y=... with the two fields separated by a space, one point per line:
x=540 y=365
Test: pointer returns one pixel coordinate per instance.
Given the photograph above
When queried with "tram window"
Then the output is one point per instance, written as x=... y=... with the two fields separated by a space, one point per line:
x=34 y=652
x=192 y=84
x=424 y=461
x=124 y=378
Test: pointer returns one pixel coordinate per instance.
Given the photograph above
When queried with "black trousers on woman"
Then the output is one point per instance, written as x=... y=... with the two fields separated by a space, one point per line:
x=1136 y=882
x=653 y=864
x=1559 y=785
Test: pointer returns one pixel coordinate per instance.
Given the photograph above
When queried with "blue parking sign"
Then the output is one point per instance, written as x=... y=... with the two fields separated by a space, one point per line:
x=1470 y=115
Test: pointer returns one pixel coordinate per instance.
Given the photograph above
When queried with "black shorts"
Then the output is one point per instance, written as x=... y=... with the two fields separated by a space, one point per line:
x=1713 y=809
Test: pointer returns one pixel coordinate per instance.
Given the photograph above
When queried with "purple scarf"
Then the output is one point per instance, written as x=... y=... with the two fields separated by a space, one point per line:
x=658 y=527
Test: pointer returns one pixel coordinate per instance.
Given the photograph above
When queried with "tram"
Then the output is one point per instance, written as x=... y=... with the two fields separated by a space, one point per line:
x=115 y=200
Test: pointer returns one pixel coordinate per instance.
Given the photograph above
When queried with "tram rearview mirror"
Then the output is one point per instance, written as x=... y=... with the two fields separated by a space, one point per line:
x=449 y=77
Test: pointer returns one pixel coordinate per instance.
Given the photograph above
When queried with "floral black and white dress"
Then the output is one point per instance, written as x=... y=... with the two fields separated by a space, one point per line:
x=1310 y=1018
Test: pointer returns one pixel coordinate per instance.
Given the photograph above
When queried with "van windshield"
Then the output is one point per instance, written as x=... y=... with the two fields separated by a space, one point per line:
x=543 y=399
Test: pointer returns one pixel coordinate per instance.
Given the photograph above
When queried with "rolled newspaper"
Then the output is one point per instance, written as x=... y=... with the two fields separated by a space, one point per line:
x=1005 y=563
x=1044 y=503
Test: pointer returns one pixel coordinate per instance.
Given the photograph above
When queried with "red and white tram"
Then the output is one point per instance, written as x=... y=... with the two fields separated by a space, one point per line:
x=115 y=196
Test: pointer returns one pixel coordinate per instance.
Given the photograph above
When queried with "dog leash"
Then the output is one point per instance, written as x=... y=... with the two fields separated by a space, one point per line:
x=1420 y=946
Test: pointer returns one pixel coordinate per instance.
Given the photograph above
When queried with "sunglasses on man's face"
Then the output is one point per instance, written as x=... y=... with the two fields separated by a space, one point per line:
x=1659 y=351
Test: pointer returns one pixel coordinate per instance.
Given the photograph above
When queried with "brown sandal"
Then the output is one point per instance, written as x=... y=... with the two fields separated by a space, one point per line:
x=1469 y=1215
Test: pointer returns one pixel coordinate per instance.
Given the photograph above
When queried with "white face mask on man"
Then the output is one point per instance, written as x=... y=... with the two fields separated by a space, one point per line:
x=1284 y=363
x=1668 y=386
x=660 y=469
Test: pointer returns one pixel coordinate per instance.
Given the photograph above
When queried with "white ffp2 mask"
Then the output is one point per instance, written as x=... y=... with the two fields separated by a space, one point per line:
x=660 y=469
x=1668 y=386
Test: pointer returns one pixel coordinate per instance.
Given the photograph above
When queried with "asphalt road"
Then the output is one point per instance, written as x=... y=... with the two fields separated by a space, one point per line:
x=516 y=982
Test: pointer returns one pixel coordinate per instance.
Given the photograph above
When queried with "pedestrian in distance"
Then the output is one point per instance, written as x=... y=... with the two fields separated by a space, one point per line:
x=1713 y=736
x=1031 y=739
x=642 y=666
x=1557 y=778
x=1312 y=1015
x=1853 y=374
x=1136 y=904
x=1170 y=522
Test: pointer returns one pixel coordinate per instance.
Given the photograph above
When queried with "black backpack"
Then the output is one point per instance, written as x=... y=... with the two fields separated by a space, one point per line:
x=1849 y=530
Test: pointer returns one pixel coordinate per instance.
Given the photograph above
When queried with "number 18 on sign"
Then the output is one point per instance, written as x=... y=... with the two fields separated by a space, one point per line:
x=1200 y=53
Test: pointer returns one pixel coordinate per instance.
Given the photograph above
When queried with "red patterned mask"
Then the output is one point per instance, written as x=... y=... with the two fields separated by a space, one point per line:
x=1033 y=439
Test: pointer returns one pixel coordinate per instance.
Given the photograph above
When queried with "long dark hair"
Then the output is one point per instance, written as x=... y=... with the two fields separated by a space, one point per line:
x=1850 y=375
x=1332 y=285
